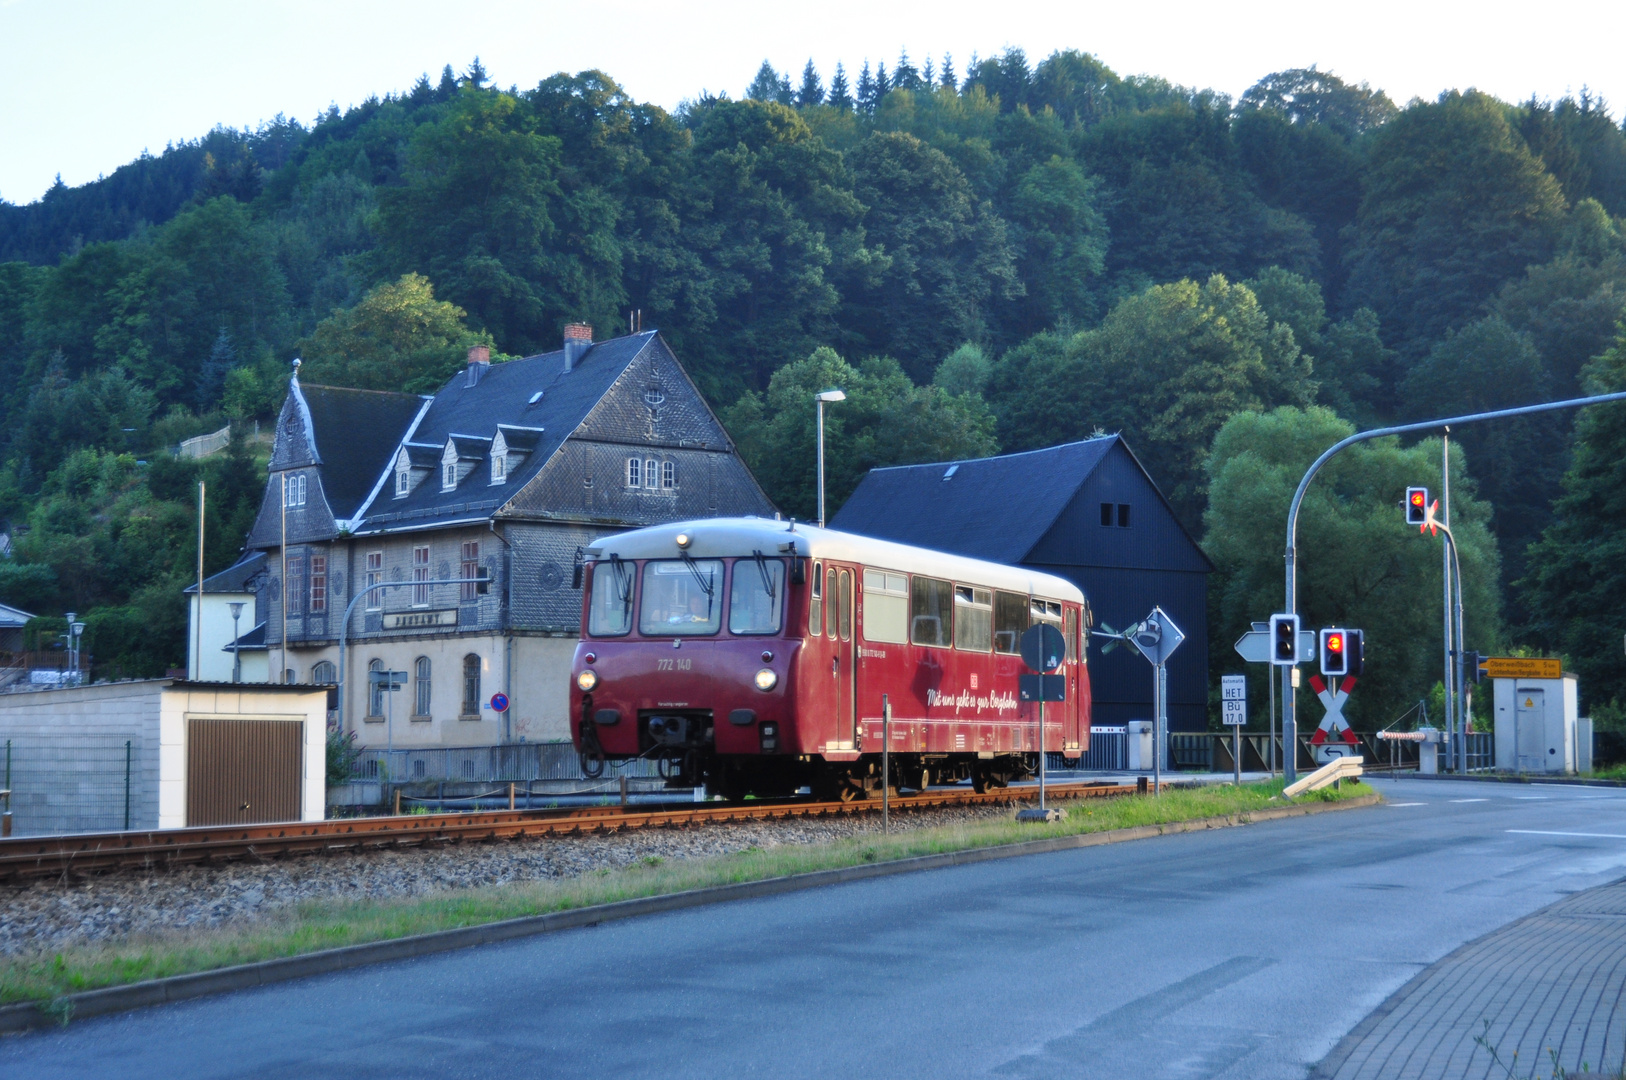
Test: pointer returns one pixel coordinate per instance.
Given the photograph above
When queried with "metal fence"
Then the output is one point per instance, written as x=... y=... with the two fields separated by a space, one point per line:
x=511 y=763
x=76 y=783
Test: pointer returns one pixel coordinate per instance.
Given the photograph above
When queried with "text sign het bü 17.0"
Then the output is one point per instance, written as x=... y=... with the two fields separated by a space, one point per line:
x=1234 y=700
x=1523 y=667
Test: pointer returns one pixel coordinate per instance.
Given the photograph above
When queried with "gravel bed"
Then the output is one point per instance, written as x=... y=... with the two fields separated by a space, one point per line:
x=46 y=914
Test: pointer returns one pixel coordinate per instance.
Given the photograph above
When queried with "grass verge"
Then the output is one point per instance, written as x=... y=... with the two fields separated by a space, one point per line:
x=326 y=924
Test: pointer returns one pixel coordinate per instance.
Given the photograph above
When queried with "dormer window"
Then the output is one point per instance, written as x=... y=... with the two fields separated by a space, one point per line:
x=499 y=459
x=448 y=478
x=403 y=481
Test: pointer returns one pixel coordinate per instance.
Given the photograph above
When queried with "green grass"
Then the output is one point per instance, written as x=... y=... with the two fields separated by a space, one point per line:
x=327 y=924
x=1614 y=772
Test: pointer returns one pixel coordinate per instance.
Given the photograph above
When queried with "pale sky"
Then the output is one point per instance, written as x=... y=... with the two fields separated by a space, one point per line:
x=86 y=85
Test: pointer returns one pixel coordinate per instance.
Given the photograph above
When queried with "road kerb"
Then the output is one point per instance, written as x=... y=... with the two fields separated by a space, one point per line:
x=26 y=1015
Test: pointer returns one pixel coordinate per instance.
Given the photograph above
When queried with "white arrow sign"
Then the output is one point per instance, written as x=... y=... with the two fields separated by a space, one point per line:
x=1254 y=646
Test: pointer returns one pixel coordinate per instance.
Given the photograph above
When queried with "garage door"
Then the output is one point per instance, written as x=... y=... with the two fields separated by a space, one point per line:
x=239 y=772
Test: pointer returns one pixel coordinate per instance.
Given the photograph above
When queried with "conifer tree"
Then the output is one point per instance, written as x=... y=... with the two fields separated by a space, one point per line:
x=786 y=95
x=840 y=97
x=904 y=76
x=883 y=81
x=927 y=74
x=448 y=83
x=765 y=87
x=477 y=76
x=866 y=89
x=212 y=374
x=812 y=92
x=948 y=71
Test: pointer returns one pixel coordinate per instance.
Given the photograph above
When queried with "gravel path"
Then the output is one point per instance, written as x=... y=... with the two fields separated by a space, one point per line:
x=48 y=914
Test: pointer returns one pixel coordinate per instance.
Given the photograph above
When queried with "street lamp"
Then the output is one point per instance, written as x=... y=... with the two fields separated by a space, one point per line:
x=821 y=397
x=236 y=658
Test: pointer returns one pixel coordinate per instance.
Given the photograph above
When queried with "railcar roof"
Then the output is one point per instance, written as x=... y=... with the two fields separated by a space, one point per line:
x=716 y=538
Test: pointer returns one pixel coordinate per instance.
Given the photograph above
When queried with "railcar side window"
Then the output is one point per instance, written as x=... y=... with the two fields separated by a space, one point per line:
x=758 y=596
x=846 y=605
x=931 y=612
x=1010 y=620
x=815 y=602
x=973 y=618
x=1047 y=611
x=610 y=613
x=886 y=606
x=832 y=603
x=681 y=597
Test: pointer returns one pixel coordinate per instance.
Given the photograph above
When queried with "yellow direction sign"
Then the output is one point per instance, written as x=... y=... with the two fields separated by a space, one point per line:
x=1522 y=667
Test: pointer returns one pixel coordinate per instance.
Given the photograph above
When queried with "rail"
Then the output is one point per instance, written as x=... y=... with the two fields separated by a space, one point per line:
x=54 y=856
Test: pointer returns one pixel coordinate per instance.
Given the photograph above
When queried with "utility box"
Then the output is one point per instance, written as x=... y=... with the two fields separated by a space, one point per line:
x=1138 y=733
x=1428 y=752
x=1536 y=724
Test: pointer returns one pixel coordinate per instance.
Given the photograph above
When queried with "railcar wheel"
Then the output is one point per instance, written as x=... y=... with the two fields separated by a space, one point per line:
x=850 y=792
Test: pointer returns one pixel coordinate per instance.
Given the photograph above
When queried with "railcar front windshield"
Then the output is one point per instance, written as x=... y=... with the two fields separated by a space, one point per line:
x=758 y=596
x=681 y=597
x=610 y=613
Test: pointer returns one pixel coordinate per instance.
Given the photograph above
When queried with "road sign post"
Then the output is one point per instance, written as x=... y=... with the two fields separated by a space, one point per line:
x=1234 y=701
x=1043 y=650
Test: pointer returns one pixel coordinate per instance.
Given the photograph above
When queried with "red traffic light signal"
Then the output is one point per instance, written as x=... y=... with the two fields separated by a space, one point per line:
x=1334 y=652
x=1417 y=506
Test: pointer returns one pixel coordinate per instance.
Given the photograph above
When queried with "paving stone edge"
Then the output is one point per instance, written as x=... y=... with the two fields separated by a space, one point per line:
x=26 y=1015
x=1328 y=1066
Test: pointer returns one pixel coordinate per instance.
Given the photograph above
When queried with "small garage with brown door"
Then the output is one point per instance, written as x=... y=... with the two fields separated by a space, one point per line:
x=164 y=753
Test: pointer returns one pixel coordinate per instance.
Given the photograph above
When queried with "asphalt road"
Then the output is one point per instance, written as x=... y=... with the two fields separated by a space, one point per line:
x=1242 y=953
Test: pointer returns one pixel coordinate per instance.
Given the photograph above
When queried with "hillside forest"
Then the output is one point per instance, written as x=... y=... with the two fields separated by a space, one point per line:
x=988 y=257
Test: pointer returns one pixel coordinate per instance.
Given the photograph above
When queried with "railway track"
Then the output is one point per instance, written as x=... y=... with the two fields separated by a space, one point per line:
x=22 y=858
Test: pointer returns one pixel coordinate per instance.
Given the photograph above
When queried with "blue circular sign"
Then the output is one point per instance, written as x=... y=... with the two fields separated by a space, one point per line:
x=499 y=702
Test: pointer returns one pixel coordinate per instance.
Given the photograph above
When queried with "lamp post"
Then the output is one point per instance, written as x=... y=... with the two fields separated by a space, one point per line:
x=236 y=658
x=75 y=630
x=821 y=397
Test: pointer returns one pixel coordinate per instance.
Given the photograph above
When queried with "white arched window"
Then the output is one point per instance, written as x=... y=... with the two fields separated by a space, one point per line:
x=375 y=691
x=668 y=475
x=471 y=686
x=652 y=476
x=635 y=472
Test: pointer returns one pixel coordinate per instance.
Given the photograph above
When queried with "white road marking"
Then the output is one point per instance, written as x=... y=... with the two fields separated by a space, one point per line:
x=1407 y=804
x=1469 y=800
x=1532 y=798
x=1592 y=835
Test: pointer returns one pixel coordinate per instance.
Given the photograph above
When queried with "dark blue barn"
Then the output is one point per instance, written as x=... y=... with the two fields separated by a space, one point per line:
x=1086 y=511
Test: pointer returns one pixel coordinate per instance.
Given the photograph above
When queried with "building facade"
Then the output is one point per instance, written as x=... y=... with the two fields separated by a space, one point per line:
x=508 y=472
x=1086 y=511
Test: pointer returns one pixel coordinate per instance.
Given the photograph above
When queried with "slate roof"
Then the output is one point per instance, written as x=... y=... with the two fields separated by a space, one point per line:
x=251 y=641
x=508 y=394
x=13 y=617
x=1022 y=494
x=357 y=433
x=233 y=579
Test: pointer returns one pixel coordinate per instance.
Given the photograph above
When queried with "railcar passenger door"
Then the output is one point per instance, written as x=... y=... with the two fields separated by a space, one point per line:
x=838 y=607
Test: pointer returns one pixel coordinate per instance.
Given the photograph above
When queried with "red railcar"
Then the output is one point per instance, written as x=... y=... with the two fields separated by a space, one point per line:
x=752 y=655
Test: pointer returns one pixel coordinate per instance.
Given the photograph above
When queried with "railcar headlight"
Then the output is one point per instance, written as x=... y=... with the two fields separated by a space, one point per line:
x=587 y=680
x=766 y=679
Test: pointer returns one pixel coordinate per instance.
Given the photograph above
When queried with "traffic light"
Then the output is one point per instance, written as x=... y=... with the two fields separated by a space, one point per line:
x=1473 y=669
x=1417 y=506
x=1284 y=640
x=1334 y=652
x=1354 y=652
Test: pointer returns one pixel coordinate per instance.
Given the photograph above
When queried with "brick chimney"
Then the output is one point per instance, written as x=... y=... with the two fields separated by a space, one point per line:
x=578 y=339
x=479 y=363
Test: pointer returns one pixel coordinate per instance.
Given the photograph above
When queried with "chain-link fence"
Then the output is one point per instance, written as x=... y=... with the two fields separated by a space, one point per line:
x=77 y=783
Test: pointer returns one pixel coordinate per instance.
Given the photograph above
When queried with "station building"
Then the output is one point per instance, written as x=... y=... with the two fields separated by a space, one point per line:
x=1086 y=511
x=510 y=470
